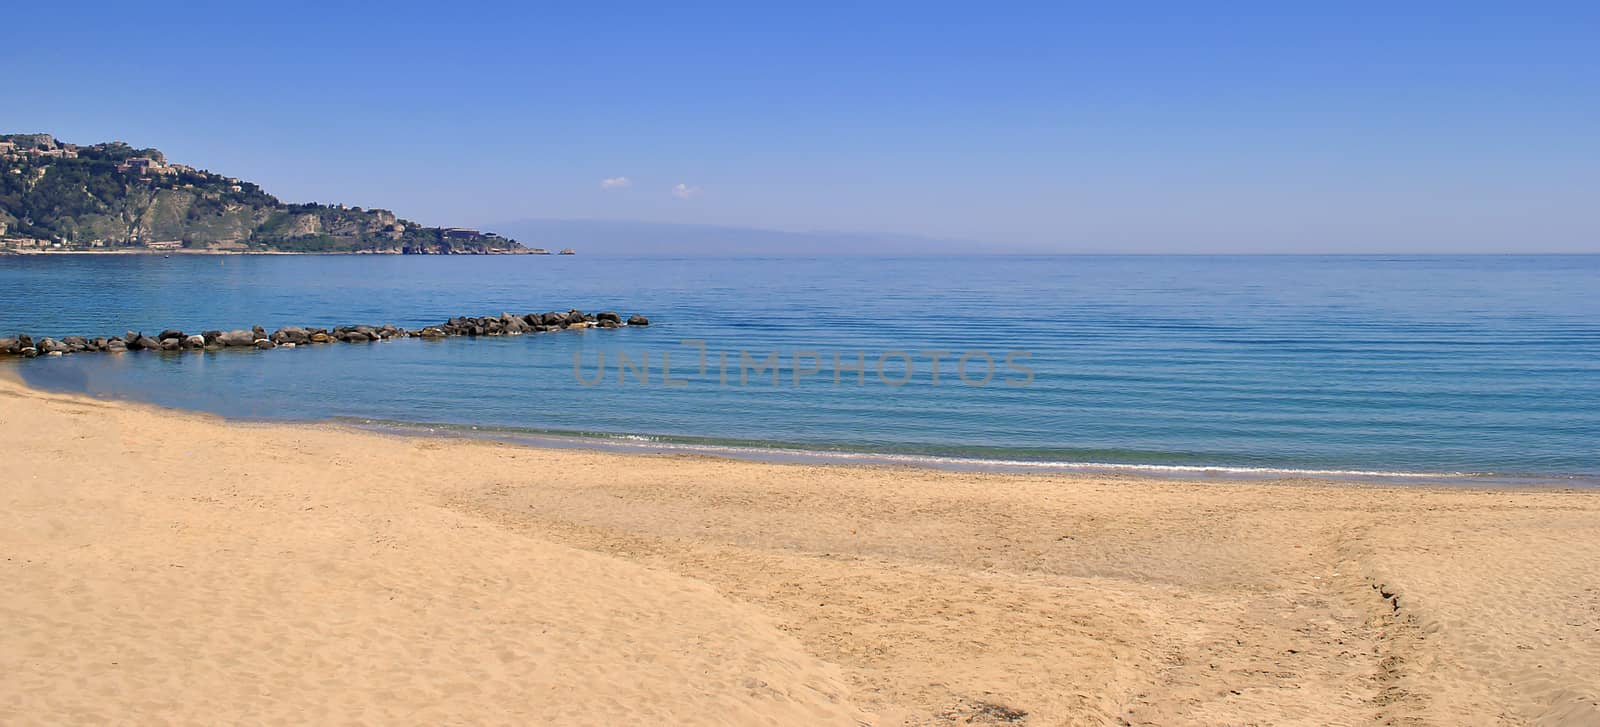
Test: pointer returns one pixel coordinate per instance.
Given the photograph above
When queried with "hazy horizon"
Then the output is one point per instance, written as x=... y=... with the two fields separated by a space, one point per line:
x=1034 y=130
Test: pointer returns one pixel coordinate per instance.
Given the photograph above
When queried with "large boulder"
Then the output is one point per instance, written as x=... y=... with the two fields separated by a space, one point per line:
x=555 y=318
x=51 y=345
x=147 y=343
x=321 y=337
x=290 y=334
x=638 y=320
x=171 y=344
x=237 y=338
x=76 y=343
x=171 y=333
x=265 y=344
x=512 y=324
x=194 y=342
x=604 y=316
x=116 y=345
x=8 y=345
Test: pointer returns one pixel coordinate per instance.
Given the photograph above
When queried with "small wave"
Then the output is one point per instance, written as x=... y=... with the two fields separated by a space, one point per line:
x=649 y=443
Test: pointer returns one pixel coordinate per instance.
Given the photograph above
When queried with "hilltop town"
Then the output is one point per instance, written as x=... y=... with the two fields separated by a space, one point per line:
x=110 y=196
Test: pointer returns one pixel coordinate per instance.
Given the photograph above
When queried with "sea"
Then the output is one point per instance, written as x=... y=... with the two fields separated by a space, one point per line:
x=1409 y=367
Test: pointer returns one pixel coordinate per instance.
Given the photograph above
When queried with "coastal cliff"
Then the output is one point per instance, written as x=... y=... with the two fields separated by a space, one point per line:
x=112 y=196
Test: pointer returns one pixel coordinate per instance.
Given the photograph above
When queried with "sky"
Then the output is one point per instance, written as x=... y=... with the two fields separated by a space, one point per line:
x=1051 y=127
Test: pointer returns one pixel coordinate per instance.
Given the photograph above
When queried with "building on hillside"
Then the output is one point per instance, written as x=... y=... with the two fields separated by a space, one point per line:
x=459 y=233
x=164 y=245
x=143 y=165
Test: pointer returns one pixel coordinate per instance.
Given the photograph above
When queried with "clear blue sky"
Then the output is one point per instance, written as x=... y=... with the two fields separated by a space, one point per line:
x=1190 y=127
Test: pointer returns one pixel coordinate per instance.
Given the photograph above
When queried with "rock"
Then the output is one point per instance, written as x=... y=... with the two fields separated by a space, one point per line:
x=259 y=332
x=554 y=318
x=147 y=343
x=171 y=344
x=132 y=340
x=286 y=345
x=610 y=324
x=8 y=345
x=116 y=345
x=320 y=337
x=211 y=336
x=264 y=344
x=354 y=337
x=171 y=333
x=237 y=338
x=75 y=343
x=55 y=353
x=24 y=341
x=578 y=325
x=290 y=334
x=604 y=316
x=638 y=320
x=194 y=342
x=512 y=324
x=432 y=332
x=51 y=346
x=29 y=352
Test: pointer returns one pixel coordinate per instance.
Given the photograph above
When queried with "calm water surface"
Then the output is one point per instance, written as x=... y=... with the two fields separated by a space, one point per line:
x=1396 y=364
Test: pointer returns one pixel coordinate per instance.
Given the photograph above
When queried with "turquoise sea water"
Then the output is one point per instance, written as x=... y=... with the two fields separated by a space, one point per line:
x=1418 y=365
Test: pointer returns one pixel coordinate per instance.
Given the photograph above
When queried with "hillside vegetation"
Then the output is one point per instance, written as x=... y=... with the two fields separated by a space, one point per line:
x=112 y=195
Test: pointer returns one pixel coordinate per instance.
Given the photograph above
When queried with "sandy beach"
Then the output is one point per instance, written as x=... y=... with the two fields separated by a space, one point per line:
x=167 y=567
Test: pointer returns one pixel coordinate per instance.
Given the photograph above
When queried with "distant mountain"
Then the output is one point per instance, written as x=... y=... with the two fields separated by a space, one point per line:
x=630 y=237
x=112 y=195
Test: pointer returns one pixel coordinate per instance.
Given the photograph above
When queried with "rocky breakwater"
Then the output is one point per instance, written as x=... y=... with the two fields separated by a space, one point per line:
x=504 y=324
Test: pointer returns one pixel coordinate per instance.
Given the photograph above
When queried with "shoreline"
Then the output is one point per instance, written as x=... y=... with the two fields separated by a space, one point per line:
x=501 y=583
x=183 y=251
x=782 y=453
x=787 y=453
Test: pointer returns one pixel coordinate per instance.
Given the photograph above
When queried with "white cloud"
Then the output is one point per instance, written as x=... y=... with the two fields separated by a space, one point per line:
x=616 y=183
x=684 y=191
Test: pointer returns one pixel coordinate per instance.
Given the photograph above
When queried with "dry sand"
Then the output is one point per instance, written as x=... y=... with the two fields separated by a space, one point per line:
x=163 y=567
